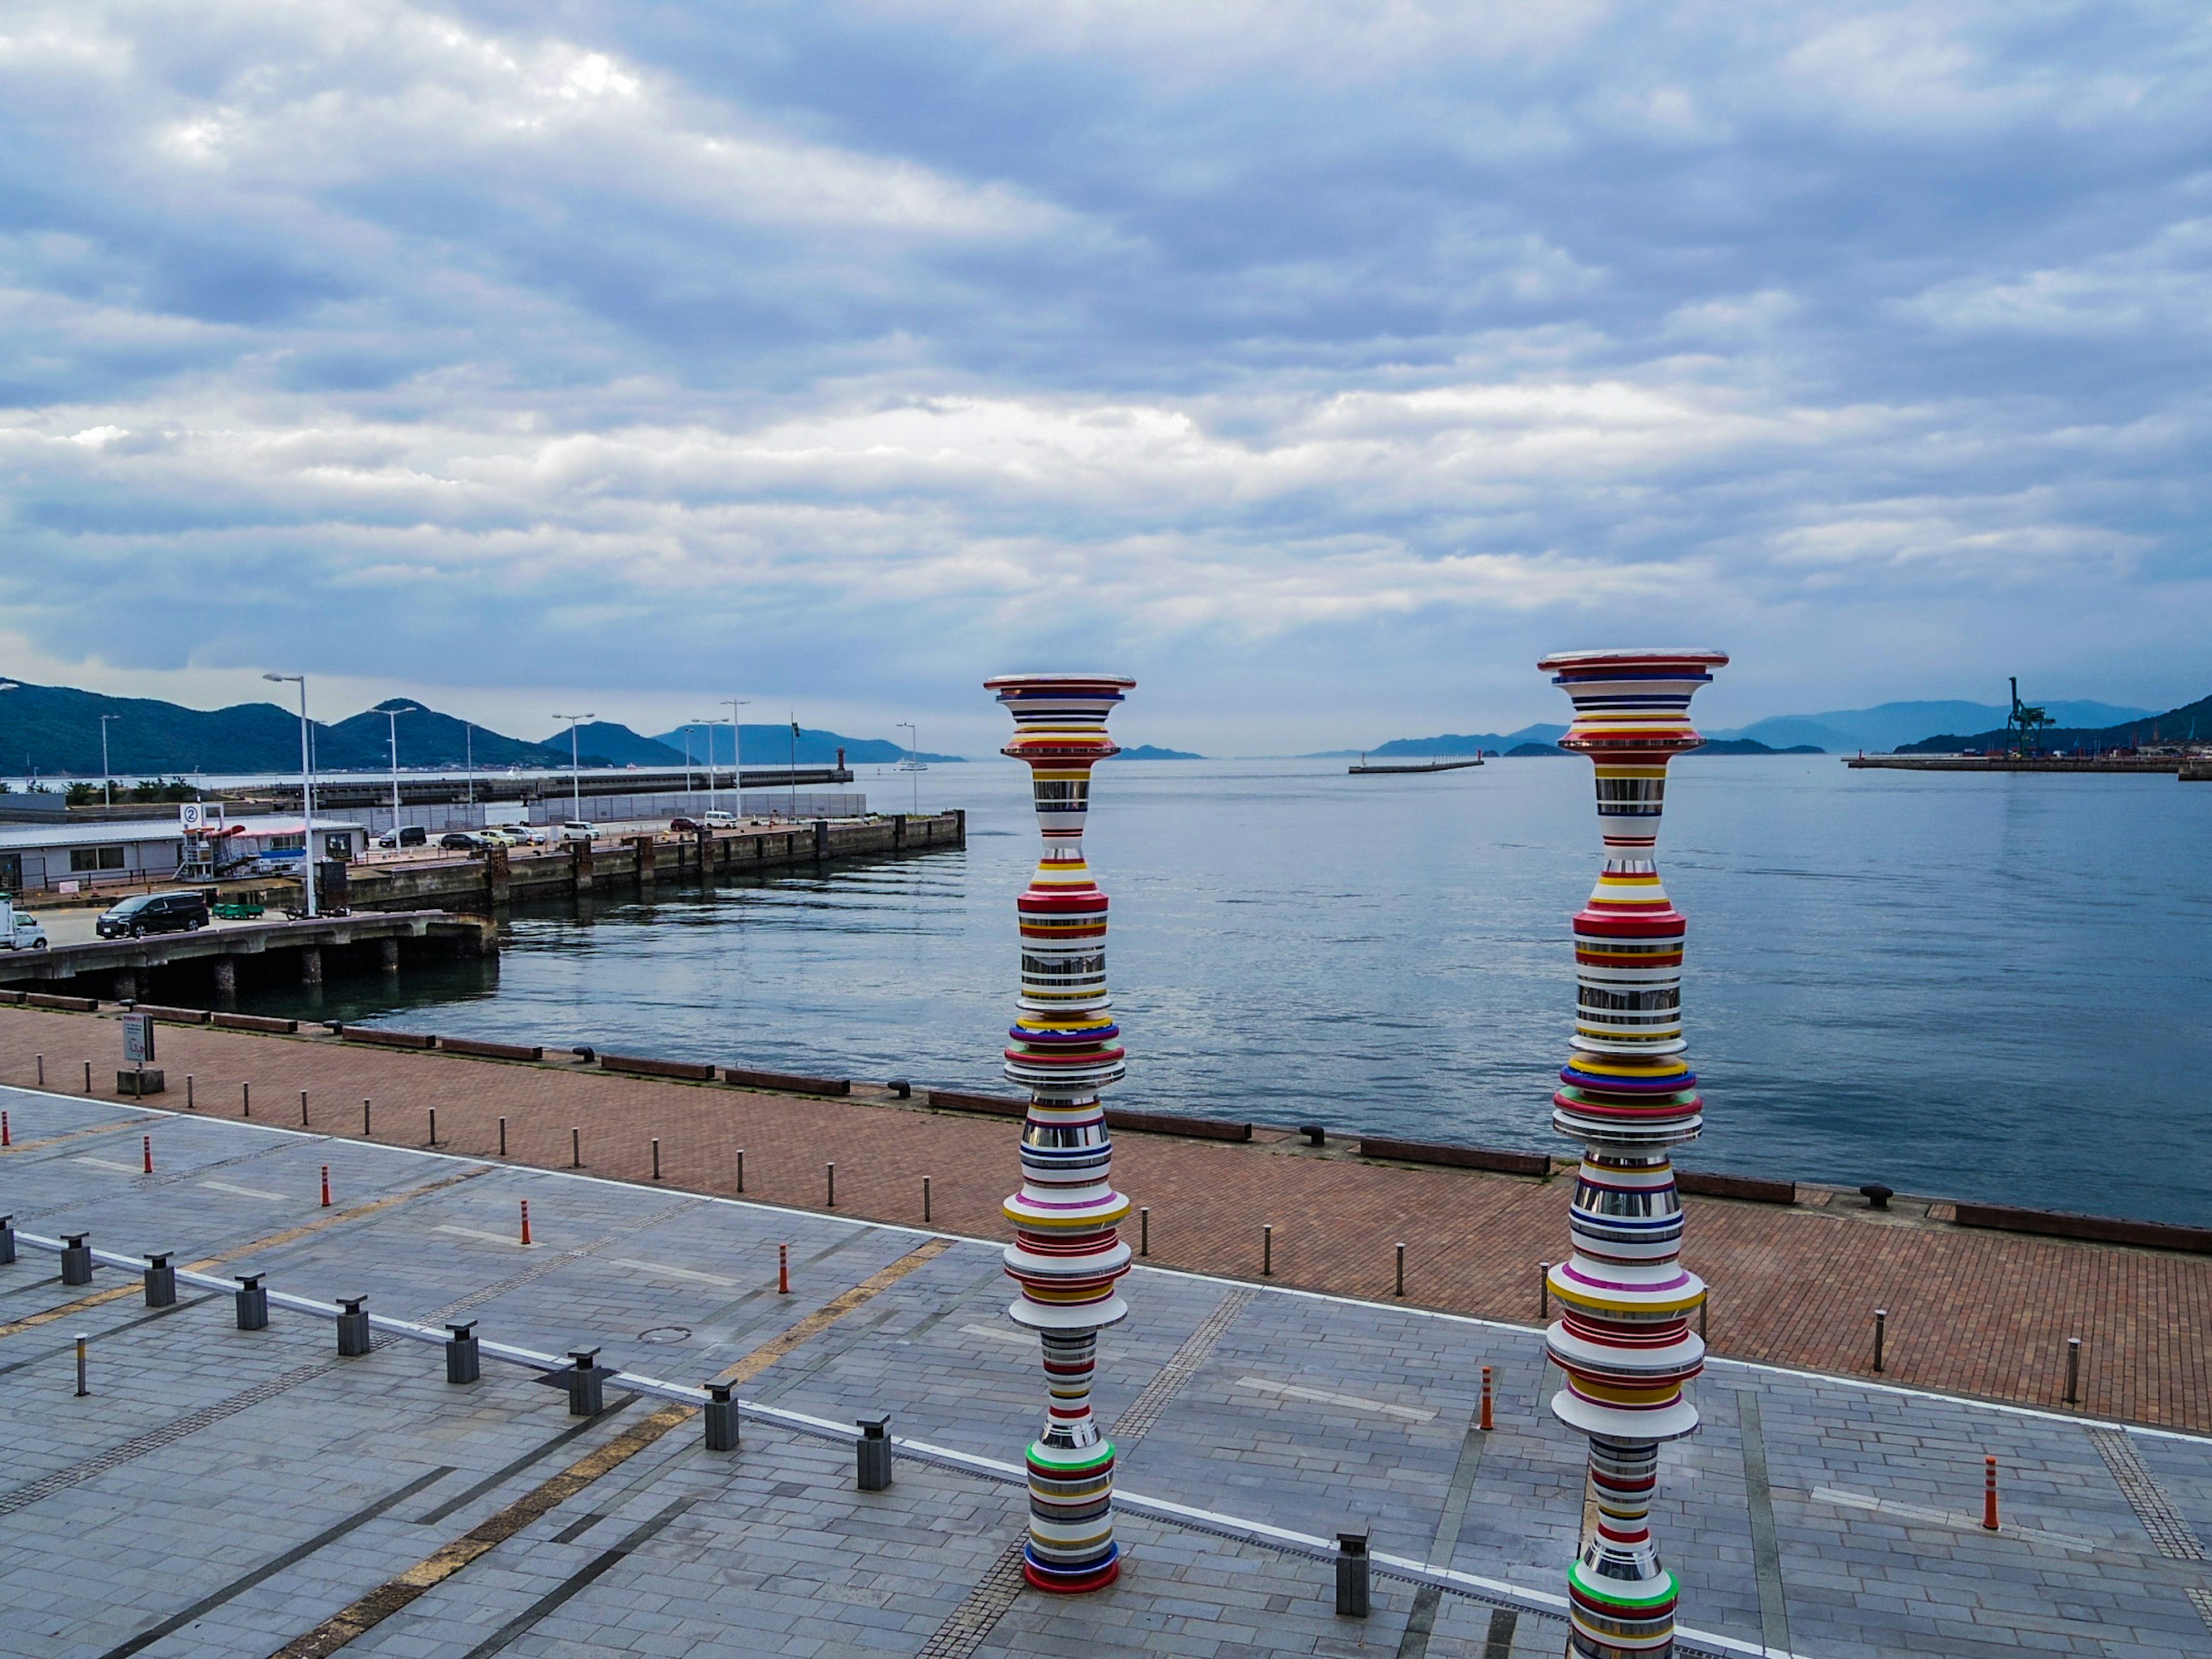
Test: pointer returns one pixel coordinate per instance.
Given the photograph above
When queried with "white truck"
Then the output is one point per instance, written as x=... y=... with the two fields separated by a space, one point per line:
x=19 y=932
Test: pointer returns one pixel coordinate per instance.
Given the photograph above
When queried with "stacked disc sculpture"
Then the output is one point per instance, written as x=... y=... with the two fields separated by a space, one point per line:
x=1624 y=1342
x=1067 y=1253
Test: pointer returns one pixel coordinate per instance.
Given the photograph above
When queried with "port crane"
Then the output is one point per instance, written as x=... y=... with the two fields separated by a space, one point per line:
x=2025 y=721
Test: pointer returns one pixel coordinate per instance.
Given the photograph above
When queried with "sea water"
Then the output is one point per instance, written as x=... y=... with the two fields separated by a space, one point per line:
x=1984 y=987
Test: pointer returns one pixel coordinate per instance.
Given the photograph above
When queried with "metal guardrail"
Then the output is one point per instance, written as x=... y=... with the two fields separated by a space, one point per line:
x=1236 y=1529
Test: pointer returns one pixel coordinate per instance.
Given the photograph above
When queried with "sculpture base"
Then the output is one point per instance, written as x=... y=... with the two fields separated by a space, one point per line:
x=1072 y=1583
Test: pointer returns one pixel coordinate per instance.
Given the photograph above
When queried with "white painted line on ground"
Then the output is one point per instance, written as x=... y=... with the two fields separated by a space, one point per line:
x=666 y=1272
x=110 y=1163
x=489 y=1238
x=1323 y=1397
x=998 y=1334
x=245 y=1191
x=1890 y=1506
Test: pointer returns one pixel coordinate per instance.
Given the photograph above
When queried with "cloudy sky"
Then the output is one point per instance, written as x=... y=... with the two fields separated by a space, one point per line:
x=1318 y=363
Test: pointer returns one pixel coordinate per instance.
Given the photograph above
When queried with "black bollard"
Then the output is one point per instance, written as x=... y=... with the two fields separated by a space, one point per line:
x=1316 y=1134
x=353 y=1328
x=160 y=1281
x=901 y=1088
x=76 y=1259
x=253 y=1302
x=1353 y=1600
x=1877 y=1195
x=875 y=1453
x=464 y=1358
x=722 y=1419
x=587 y=1397
x=7 y=1240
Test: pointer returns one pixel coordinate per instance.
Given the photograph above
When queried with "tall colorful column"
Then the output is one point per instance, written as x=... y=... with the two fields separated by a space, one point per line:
x=1067 y=1252
x=1623 y=1341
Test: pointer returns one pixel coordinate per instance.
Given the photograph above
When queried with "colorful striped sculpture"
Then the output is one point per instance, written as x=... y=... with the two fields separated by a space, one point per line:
x=1067 y=1253
x=1624 y=1342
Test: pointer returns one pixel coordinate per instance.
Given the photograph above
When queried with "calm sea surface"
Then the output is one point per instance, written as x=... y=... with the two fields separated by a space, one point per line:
x=1990 y=987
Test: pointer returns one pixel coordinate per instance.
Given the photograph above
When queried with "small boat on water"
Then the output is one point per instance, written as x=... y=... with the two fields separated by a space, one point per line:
x=1412 y=766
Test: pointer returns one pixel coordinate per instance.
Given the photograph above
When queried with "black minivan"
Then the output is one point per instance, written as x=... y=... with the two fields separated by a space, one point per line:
x=154 y=913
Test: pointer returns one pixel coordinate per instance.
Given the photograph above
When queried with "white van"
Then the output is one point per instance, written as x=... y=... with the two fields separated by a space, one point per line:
x=578 y=829
x=19 y=932
x=718 y=820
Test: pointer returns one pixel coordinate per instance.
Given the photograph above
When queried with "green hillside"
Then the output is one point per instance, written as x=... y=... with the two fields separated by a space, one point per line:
x=2191 y=722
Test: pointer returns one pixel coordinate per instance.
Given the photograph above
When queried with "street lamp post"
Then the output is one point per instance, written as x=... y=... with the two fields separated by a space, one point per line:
x=707 y=727
x=468 y=759
x=913 y=742
x=794 y=767
x=575 y=767
x=737 y=756
x=306 y=792
x=393 y=715
x=107 y=783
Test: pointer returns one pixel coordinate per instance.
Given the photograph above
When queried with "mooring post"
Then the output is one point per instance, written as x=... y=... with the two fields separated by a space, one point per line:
x=1352 y=1596
x=874 y=1453
x=722 y=1427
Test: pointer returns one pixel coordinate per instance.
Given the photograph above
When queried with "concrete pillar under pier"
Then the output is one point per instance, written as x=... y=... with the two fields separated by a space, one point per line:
x=225 y=976
x=646 y=848
x=311 y=965
x=387 y=955
x=125 y=986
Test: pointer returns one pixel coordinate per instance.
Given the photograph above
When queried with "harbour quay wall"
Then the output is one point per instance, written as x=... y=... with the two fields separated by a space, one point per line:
x=2188 y=769
x=505 y=874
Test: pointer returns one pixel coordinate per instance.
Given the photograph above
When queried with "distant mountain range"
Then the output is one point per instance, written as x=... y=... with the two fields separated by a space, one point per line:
x=1886 y=727
x=1147 y=751
x=771 y=745
x=54 y=731
x=2192 y=721
x=1893 y=725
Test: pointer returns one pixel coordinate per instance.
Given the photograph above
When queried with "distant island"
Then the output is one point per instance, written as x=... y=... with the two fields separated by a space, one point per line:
x=1147 y=751
x=54 y=731
x=2190 y=723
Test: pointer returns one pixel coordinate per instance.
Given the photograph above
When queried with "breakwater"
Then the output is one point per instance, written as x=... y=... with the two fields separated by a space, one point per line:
x=504 y=875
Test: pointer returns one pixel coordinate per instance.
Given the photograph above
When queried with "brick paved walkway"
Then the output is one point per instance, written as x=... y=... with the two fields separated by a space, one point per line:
x=1971 y=1312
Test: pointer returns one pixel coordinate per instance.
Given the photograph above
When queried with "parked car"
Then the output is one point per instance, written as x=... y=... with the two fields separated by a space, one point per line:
x=578 y=829
x=407 y=835
x=683 y=827
x=461 y=840
x=154 y=913
x=17 y=931
x=502 y=834
x=718 y=820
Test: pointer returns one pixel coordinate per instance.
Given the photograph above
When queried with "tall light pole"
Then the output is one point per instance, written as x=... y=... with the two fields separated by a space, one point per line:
x=107 y=783
x=468 y=759
x=708 y=726
x=687 y=760
x=736 y=754
x=576 y=768
x=306 y=792
x=393 y=715
x=794 y=766
x=913 y=740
